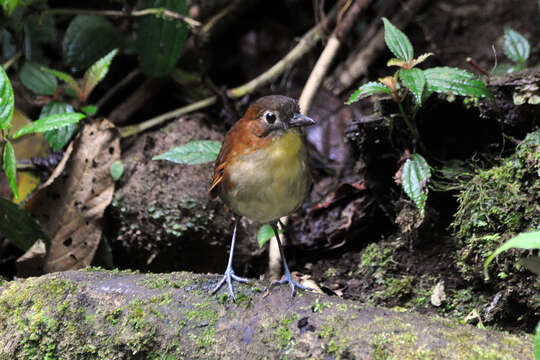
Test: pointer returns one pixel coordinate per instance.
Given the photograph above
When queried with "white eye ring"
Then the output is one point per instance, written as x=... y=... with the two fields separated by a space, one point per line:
x=270 y=117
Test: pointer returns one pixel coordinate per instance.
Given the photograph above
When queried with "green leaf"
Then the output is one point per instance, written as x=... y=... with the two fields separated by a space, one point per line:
x=7 y=101
x=37 y=80
x=160 y=40
x=59 y=137
x=65 y=78
x=17 y=226
x=368 y=89
x=414 y=180
x=516 y=47
x=528 y=240
x=9 y=6
x=97 y=72
x=194 y=152
x=456 y=81
x=10 y=167
x=397 y=41
x=49 y=123
x=537 y=343
x=89 y=110
x=414 y=80
x=117 y=169
x=87 y=39
x=265 y=233
x=531 y=263
x=37 y=32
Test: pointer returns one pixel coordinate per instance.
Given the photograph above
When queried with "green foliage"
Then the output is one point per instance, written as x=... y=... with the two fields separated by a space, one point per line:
x=503 y=198
x=9 y=6
x=38 y=31
x=58 y=137
x=117 y=169
x=516 y=46
x=10 y=167
x=160 y=40
x=49 y=123
x=65 y=78
x=397 y=41
x=265 y=233
x=414 y=179
x=368 y=89
x=87 y=39
x=96 y=73
x=530 y=240
x=89 y=110
x=7 y=100
x=37 y=80
x=17 y=226
x=455 y=81
x=194 y=152
x=414 y=80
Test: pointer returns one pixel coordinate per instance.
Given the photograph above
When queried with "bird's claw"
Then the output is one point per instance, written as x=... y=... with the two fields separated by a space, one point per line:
x=292 y=283
x=228 y=277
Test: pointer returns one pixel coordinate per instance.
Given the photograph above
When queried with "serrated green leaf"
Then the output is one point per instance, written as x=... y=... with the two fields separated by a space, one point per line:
x=456 y=81
x=89 y=110
x=414 y=80
x=87 y=39
x=160 y=40
x=194 y=152
x=9 y=6
x=414 y=180
x=117 y=169
x=537 y=343
x=397 y=41
x=10 y=167
x=265 y=233
x=6 y=100
x=17 y=226
x=368 y=89
x=96 y=73
x=37 y=80
x=528 y=240
x=516 y=46
x=58 y=138
x=65 y=78
x=49 y=123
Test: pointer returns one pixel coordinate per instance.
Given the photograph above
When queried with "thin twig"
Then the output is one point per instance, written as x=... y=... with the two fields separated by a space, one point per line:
x=13 y=59
x=192 y=23
x=304 y=45
x=329 y=53
x=112 y=91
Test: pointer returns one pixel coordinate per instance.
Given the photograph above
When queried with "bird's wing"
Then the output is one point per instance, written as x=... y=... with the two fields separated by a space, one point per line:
x=221 y=163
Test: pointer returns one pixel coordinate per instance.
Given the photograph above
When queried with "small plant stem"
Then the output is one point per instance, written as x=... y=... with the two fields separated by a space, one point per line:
x=411 y=126
x=112 y=91
x=477 y=67
x=192 y=23
x=13 y=59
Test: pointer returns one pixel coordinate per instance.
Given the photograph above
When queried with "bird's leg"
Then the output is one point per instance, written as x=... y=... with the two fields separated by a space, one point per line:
x=287 y=275
x=229 y=272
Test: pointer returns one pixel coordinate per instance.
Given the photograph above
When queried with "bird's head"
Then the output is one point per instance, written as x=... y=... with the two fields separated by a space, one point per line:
x=274 y=115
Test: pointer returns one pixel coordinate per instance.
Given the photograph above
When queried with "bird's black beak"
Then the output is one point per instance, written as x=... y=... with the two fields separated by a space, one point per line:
x=299 y=120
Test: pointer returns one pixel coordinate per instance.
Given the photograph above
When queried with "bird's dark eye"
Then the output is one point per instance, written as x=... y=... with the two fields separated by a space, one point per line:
x=270 y=117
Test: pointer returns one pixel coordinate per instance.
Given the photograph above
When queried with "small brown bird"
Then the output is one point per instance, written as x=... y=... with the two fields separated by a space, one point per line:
x=262 y=171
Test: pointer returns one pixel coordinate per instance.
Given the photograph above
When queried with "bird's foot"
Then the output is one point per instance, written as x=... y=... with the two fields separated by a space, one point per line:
x=292 y=283
x=228 y=277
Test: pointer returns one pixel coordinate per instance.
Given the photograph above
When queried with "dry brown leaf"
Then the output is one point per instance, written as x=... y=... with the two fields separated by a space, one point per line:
x=70 y=208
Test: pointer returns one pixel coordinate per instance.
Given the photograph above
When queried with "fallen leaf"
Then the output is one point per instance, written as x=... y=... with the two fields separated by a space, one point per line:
x=71 y=206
